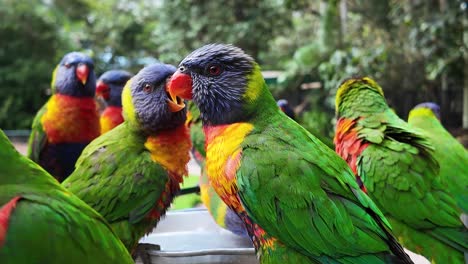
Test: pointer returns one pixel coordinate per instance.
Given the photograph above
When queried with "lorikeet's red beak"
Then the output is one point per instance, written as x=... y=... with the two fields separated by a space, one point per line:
x=102 y=90
x=82 y=72
x=179 y=86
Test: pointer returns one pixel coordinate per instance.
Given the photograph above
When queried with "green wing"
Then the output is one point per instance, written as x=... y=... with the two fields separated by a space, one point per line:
x=301 y=192
x=38 y=138
x=49 y=224
x=54 y=230
x=401 y=175
x=116 y=176
x=451 y=155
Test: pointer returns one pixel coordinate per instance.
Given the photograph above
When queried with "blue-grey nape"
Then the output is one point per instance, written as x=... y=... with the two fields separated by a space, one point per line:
x=77 y=57
x=225 y=54
x=115 y=76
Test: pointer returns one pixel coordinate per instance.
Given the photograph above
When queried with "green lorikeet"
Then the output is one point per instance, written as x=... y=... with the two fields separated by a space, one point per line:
x=131 y=173
x=41 y=222
x=109 y=87
x=397 y=167
x=69 y=120
x=451 y=155
x=298 y=199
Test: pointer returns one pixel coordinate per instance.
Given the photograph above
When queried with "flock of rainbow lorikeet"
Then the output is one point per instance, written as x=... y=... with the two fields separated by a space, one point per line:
x=94 y=183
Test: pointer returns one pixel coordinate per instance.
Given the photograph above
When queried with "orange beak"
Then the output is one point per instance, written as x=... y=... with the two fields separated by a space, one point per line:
x=82 y=72
x=179 y=86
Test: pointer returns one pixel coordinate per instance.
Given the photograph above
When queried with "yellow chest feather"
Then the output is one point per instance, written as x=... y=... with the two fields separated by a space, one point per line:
x=223 y=152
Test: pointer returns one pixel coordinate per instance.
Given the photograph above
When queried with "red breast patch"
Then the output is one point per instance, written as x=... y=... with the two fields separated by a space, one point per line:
x=5 y=213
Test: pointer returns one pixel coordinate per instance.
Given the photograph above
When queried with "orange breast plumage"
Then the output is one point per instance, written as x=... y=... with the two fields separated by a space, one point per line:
x=71 y=119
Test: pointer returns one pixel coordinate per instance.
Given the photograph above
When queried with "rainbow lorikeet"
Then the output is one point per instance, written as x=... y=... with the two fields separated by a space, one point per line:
x=109 y=87
x=283 y=104
x=69 y=120
x=298 y=199
x=41 y=222
x=131 y=173
x=451 y=155
x=395 y=163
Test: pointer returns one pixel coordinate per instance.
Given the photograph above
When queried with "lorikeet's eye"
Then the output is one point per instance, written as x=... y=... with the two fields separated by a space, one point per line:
x=67 y=65
x=214 y=70
x=148 y=88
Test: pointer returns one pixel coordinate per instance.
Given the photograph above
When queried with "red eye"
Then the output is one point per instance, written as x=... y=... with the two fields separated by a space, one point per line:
x=214 y=70
x=67 y=65
x=148 y=88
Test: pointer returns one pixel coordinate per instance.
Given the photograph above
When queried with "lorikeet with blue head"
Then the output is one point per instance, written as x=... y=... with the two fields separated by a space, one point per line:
x=69 y=120
x=42 y=222
x=298 y=199
x=283 y=104
x=131 y=173
x=451 y=155
x=397 y=166
x=109 y=87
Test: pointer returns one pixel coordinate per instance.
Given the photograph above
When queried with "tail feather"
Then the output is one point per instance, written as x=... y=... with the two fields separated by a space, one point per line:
x=400 y=255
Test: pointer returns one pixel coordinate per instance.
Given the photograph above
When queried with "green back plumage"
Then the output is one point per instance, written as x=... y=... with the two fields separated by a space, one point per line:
x=451 y=155
x=123 y=192
x=400 y=172
x=49 y=224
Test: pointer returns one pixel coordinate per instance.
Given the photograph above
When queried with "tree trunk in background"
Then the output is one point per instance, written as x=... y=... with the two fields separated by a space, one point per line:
x=465 y=76
x=343 y=16
x=445 y=101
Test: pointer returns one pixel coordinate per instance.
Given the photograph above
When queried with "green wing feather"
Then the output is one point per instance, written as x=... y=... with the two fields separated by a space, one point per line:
x=123 y=192
x=313 y=203
x=401 y=175
x=38 y=138
x=49 y=224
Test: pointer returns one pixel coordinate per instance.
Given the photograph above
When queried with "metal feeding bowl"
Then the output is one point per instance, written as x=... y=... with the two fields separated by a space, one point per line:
x=192 y=237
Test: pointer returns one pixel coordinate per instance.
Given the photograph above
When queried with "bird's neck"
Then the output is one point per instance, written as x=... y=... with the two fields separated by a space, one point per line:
x=110 y=118
x=171 y=149
x=361 y=103
x=115 y=101
x=71 y=119
x=223 y=153
x=420 y=114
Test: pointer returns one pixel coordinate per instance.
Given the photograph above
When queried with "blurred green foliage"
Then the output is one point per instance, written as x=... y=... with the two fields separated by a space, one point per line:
x=414 y=49
x=30 y=47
